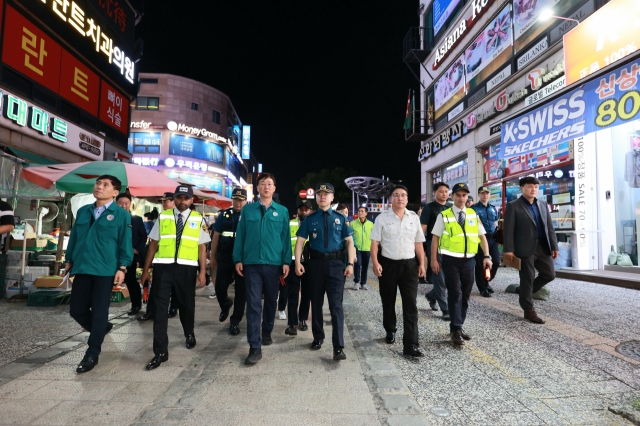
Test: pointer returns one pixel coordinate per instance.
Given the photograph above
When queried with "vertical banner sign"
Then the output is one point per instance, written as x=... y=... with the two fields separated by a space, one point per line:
x=585 y=199
x=78 y=84
x=607 y=101
x=114 y=108
x=246 y=142
x=30 y=51
x=596 y=43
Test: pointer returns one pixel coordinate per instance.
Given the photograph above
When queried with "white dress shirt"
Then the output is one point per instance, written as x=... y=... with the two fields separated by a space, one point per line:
x=155 y=231
x=398 y=237
x=438 y=228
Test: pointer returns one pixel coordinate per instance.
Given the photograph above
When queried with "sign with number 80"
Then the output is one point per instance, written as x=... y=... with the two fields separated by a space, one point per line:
x=626 y=108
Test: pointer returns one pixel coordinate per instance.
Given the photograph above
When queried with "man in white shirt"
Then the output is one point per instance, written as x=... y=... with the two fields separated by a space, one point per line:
x=457 y=234
x=398 y=260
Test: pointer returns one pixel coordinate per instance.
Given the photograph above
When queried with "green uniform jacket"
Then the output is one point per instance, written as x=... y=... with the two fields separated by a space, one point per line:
x=362 y=234
x=263 y=239
x=100 y=249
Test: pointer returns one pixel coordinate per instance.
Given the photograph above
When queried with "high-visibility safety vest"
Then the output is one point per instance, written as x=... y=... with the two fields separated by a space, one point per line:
x=458 y=242
x=188 y=250
x=294 y=225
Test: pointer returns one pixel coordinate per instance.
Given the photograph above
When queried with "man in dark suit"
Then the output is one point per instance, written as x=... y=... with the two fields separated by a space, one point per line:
x=139 y=242
x=529 y=235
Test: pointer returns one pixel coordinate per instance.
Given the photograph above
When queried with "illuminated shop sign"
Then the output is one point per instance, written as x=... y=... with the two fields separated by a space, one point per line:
x=141 y=125
x=84 y=28
x=173 y=163
x=451 y=134
x=185 y=146
x=246 y=142
x=48 y=127
x=202 y=132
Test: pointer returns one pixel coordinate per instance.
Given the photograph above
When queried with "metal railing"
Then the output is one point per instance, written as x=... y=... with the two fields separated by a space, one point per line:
x=421 y=128
x=418 y=43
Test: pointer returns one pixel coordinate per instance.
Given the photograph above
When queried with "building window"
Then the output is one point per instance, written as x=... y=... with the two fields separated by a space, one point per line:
x=148 y=81
x=194 y=106
x=148 y=103
x=216 y=116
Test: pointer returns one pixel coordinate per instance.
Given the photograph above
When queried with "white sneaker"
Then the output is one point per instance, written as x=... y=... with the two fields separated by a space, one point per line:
x=212 y=296
x=282 y=315
x=364 y=287
x=356 y=286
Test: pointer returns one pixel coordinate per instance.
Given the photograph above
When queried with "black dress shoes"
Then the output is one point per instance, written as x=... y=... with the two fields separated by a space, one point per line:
x=157 y=360
x=87 y=364
x=266 y=338
x=109 y=327
x=291 y=331
x=234 y=330
x=338 y=354
x=464 y=335
x=490 y=289
x=316 y=344
x=190 y=342
x=485 y=293
x=146 y=317
x=432 y=303
x=255 y=355
x=225 y=313
x=412 y=350
x=391 y=338
x=134 y=310
x=172 y=313
x=457 y=338
x=303 y=326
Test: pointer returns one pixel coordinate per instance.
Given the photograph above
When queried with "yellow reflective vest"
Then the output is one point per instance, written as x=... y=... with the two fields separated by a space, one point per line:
x=188 y=250
x=458 y=242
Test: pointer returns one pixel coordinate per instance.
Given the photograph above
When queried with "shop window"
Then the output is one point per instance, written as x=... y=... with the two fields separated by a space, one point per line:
x=216 y=116
x=148 y=103
x=148 y=81
x=194 y=106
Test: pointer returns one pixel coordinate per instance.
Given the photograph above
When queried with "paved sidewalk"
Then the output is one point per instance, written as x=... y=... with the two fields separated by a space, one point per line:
x=513 y=372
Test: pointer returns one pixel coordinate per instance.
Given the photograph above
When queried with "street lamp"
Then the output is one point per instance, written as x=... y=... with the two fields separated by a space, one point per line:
x=548 y=13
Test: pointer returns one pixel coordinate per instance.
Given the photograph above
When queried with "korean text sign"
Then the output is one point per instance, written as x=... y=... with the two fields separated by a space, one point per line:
x=596 y=43
x=610 y=100
x=186 y=146
x=114 y=108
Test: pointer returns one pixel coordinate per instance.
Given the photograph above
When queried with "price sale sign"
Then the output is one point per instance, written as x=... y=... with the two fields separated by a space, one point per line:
x=609 y=100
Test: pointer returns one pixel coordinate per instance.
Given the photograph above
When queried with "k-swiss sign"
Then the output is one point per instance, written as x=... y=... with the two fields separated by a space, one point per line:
x=478 y=8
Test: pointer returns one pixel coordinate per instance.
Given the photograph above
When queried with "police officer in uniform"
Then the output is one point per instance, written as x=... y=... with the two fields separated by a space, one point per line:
x=298 y=285
x=224 y=235
x=488 y=215
x=456 y=236
x=179 y=254
x=326 y=230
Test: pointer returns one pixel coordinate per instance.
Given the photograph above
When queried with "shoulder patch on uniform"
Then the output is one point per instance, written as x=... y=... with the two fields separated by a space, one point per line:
x=130 y=226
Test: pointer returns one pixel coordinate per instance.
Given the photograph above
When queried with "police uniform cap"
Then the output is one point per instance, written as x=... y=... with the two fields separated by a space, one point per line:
x=167 y=196
x=460 y=187
x=325 y=187
x=239 y=194
x=483 y=189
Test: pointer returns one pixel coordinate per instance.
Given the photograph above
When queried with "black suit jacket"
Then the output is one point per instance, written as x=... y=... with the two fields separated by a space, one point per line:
x=521 y=230
x=138 y=238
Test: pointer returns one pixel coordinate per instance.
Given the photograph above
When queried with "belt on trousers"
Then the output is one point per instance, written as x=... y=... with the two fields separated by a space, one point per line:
x=316 y=255
x=400 y=261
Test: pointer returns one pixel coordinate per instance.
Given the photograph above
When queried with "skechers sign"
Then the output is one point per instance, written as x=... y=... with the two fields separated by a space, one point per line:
x=610 y=100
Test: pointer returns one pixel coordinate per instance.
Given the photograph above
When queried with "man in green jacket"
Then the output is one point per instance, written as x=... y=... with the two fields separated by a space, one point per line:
x=362 y=238
x=98 y=254
x=262 y=251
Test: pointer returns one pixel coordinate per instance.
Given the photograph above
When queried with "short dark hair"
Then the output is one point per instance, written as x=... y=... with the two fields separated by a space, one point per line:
x=529 y=179
x=438 y=185
x=399 y=187
x=124 y=195
x=149 y=216
x=341 y=207
x=363 y=208
x=264 y=176
x=114 y=181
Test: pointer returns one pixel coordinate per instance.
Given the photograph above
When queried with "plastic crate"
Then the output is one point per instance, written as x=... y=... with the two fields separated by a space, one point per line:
x=44 y=298
x=117 y=297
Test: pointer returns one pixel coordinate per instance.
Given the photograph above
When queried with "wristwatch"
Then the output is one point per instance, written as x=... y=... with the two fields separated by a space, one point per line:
x=350 y=264
x=487 y=257
x=123 y=269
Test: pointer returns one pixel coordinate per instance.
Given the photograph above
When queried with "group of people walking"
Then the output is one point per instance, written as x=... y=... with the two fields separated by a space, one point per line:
x=259 y=249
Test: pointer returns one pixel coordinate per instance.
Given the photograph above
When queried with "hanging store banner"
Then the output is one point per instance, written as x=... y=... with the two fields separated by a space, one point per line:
x=490 y=50
x=595 y=43
x=607 y=101
x=449 y=89
x=526 y=23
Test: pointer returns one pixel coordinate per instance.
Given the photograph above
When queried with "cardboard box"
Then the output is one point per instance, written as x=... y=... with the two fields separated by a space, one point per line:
x=53 y=281
x=31 y=243
x=13 y=287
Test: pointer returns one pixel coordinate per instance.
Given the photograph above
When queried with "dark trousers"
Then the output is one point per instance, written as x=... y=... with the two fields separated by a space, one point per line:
x=151 y=301
x=529 y=283
x=403 y=275
x=298 y=286
x=439 y=290
x=361 y=268
x=458 y=276
x=261 y=279
x=283 y=292
x=224 y=275
x=133 y=285
x=494 y=252
x=326 y=276
x=179 y=283
x=89 y=306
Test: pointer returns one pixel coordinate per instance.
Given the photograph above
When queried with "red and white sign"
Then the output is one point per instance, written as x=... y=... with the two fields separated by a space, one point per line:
x=114 y=108
x=310 y=194
x=303 y=194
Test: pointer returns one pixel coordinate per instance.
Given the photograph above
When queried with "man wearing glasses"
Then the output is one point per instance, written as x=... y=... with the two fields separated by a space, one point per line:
x=398 y=264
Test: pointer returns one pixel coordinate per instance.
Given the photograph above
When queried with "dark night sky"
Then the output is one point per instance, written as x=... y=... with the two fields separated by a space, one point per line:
x=321 y=82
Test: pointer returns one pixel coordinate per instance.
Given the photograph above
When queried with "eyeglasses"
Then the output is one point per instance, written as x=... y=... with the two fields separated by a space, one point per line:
x=399 y=195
